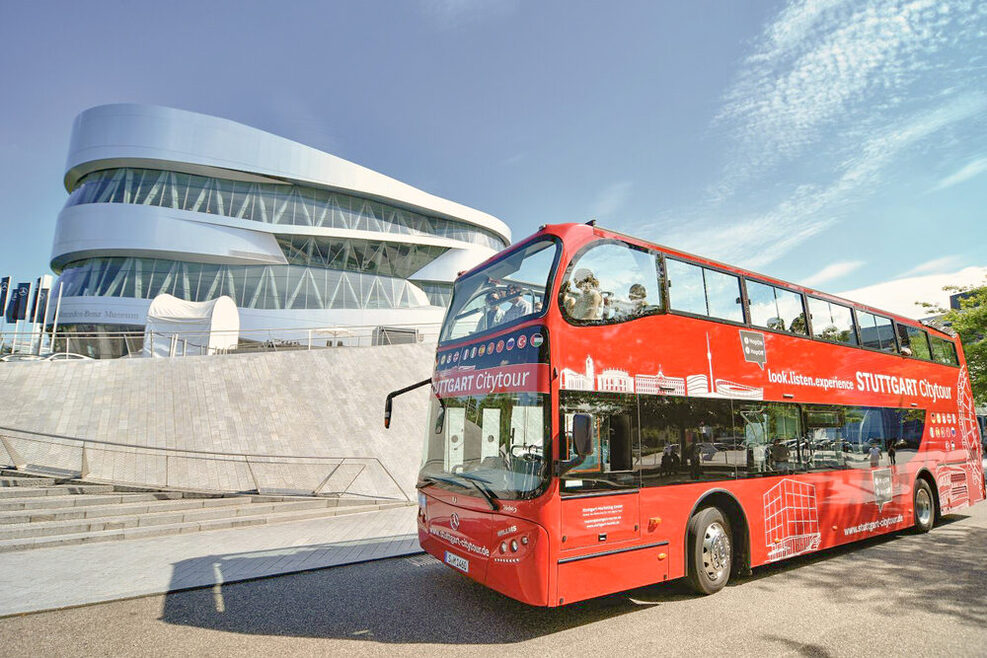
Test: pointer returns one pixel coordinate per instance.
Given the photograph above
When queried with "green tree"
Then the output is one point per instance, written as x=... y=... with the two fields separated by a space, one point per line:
x=970 y=322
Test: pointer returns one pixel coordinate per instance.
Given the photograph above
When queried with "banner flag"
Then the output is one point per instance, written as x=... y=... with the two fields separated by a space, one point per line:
x=4 y=287
x=17 y=306
x=37 y=308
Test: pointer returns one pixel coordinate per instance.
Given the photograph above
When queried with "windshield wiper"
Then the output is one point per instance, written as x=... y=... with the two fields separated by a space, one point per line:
x=472 y=480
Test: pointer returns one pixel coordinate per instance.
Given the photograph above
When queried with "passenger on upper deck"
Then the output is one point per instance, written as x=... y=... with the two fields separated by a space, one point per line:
x=519 y=305
x=587 y=304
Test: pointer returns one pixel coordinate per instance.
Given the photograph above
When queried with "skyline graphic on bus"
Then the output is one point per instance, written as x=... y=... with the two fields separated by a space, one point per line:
x=613 y=380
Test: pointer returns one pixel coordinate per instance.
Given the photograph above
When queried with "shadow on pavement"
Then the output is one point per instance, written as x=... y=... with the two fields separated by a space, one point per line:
x=419 y=600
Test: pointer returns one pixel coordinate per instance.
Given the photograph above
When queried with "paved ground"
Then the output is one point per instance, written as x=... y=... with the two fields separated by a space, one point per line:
x=901 y=595
x=57 y=577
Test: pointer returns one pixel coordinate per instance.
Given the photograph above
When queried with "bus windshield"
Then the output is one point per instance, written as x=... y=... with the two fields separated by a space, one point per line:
x=495 y=442
x=503 y=293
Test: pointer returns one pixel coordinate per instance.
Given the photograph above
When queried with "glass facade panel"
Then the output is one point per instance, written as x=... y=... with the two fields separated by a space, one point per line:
x=268 y=202
x=250 y=286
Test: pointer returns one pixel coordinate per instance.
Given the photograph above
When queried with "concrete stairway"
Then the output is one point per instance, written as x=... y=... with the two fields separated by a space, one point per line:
x=37 y=512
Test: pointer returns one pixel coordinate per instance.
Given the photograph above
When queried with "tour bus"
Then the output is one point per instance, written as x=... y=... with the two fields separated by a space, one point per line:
x=607 y=413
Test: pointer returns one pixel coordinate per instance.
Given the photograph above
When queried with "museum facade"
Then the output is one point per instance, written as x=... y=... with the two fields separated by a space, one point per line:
x=169 y=201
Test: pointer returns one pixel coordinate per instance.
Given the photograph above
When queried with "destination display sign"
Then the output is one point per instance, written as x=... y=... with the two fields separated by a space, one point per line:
x=513 y=362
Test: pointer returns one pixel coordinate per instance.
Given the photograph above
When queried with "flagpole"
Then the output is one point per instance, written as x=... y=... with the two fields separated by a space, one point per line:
x=44 y=320
x=3 y=315
x=34 y=317
x=58 y=307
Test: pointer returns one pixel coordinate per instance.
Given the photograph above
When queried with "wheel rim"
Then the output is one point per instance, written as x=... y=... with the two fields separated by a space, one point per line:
x=923 y=507
x=716 y=551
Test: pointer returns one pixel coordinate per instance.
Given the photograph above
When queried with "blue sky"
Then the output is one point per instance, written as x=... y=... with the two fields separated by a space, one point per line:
x=841 y=144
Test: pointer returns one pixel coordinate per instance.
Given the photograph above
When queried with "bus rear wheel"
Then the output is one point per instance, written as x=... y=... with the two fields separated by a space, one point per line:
x=924 y=506
x=710 y=551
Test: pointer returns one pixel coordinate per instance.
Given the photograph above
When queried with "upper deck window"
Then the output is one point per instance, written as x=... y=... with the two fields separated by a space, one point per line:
x=776 y=308
x=943 y=351
x=914 y=342
x=507 y=291
x=704 y=291
x=876 y=332
x=832 y=322
x=611 y=282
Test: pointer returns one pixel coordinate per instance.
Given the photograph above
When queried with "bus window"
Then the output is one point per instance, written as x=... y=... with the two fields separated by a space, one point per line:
x=772 y=441
x=943 y=351
x=687 y=439
x=611 y=282
x=776 y=308
x=867 y=431
x=824 y=437
x=505 y=292
x=704 y=291
x=915 y=340
x=615 y=444
x=876 y=332
x=832 y=322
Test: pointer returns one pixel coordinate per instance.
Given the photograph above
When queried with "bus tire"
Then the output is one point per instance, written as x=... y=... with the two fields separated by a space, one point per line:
x=923 y=506
x=710 y=550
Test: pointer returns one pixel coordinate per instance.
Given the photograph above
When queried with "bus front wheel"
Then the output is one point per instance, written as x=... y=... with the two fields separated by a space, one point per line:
x=710 y=551
x=924 y=505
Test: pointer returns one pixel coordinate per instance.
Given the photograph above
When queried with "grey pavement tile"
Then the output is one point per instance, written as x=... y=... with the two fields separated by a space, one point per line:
x=50 y=578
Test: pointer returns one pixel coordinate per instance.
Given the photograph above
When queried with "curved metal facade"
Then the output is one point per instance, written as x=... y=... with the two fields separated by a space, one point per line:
x=165 y=200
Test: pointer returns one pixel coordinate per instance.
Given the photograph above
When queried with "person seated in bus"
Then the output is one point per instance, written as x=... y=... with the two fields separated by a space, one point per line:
x=491 y=312
x=634 y=305
x=519 y=306
x=638 y=296
x=780 y=454
x=798 y=325
x=588 y=302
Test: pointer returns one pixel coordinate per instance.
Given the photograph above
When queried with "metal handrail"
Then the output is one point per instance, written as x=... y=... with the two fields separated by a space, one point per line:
x=212 y=455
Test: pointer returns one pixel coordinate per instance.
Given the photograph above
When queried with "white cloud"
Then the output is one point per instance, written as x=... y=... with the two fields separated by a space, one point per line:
x=755 y=240
x=832 y=271
x=973 y=169
x=900 y=295
x=931 y=266
x=833 y=95
x=448 y=14
x=819 y=63
x=612 y=199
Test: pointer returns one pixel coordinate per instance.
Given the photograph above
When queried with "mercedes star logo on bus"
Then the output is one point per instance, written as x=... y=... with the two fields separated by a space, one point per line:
x=454 y=521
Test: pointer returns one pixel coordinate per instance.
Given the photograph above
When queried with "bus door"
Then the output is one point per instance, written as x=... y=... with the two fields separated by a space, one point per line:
x=600 y=500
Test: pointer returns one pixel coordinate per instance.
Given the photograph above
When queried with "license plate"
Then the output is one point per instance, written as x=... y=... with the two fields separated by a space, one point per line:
x=460 y=563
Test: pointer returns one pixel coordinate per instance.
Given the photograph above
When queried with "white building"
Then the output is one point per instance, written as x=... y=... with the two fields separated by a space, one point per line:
x=169 y=201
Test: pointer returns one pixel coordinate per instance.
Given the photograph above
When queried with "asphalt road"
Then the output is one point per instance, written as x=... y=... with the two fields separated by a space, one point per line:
x=902 y=594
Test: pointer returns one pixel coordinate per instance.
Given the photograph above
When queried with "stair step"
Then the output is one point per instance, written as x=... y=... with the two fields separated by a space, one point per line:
x=120 y=507
x=81 y=500
x=21 y=481
x=241 y=508
x=201 y=525
x=57 y=490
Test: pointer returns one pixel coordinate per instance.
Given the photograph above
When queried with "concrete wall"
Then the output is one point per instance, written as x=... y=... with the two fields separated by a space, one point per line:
x=289 y=421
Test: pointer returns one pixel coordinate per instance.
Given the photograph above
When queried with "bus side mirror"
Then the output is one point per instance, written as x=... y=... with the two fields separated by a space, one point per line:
x=582 y=439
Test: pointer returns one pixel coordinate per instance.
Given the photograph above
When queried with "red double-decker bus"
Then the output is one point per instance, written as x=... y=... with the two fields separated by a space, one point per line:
x=607 y=413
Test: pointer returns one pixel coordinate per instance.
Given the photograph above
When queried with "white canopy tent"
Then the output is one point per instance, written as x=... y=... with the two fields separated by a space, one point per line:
x=176 y=327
